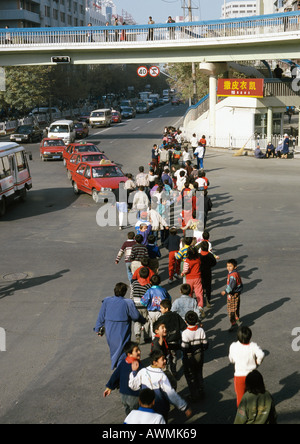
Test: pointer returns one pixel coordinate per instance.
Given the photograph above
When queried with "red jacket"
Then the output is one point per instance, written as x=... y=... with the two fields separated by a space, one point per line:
x=191 y=268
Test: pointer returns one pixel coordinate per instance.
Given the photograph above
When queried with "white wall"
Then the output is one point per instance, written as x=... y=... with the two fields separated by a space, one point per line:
x=234 y=123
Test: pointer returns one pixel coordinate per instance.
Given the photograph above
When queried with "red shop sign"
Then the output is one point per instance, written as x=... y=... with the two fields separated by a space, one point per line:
x=241 y=87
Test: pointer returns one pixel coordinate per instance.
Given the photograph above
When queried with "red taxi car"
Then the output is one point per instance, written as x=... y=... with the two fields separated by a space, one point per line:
x=79 y=147
x=94 y=177
x=52 y=148
x=116 y=116
x=78 y=158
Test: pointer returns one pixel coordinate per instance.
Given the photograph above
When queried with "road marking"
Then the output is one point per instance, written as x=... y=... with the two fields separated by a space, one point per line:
x=95 y=134
x=149 y=121
x=134 y=129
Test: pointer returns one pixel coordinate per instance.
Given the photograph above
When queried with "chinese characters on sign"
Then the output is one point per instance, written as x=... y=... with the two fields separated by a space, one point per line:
x=241 y=87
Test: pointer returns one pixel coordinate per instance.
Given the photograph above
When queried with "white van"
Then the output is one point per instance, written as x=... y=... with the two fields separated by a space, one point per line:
x=15 y=178
x=100 y=117
x=64 y=129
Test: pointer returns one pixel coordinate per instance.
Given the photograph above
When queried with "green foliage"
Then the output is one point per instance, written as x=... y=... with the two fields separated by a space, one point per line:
x=26 y=86
x=182 y=81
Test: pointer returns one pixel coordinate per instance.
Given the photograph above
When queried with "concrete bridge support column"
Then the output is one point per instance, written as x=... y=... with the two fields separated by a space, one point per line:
x=212 y=69
x=213 y=83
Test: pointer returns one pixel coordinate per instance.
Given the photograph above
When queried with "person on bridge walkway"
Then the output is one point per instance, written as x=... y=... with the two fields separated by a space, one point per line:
x=116 y=315
x=171 y=30
x=150 y=31
x=116 y=31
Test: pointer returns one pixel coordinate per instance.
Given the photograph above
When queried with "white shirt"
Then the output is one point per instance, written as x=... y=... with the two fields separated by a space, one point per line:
x=194 y=142
x=245 y=357
x=186 y=156
x=201 y=182
x=199 y=151
x=140 y=200
x=155 y=379
x=144 y=416
x=177 y=173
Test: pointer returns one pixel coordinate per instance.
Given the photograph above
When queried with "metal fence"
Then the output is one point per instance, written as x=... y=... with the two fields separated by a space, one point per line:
x=136 y=34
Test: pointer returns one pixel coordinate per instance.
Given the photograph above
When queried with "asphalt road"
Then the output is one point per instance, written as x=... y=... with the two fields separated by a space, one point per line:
x=58 y=265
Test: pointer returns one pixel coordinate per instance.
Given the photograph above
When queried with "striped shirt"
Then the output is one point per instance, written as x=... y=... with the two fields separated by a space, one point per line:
x=138 y=292
x=193 y=338
x=126 y=250
x=138 y=252
x=182 y=253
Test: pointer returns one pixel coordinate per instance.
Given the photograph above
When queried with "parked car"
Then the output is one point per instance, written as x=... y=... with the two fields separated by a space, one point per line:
x=84 y=118
x=116 y=116
x=175 y=101
x=125 y=103
x=142 y=107
x=128 y=112
x=81 y=129
x=93 y=178
x=150 y=103
x=27 y=133
x=77 y=148
x=52 y=148
x=86 y=156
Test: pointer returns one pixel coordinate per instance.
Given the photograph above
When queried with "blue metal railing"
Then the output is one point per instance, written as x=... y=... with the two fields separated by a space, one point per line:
x=137 y=34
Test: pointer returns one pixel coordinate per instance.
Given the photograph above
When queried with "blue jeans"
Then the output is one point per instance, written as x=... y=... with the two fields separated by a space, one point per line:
x=128 y=269
x=200 y=163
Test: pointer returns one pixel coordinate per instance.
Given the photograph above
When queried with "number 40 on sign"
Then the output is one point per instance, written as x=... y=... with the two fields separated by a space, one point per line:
x=143 y=71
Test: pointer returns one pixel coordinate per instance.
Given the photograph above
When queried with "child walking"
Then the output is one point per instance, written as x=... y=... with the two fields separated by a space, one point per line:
x=193 y=344
x=246 y=356
x=120 y=377
x=154 y=377
x=233 y=293
x=172 y=243
x=192 y=272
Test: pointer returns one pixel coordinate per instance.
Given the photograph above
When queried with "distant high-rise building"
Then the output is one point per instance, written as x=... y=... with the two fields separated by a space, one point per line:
x=239 y=8
x=242 y=8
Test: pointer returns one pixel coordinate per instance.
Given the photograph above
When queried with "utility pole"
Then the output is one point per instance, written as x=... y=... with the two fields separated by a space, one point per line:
x=193 y=63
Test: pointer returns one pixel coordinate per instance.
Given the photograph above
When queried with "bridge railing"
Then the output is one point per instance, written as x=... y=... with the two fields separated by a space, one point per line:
x=154 y=34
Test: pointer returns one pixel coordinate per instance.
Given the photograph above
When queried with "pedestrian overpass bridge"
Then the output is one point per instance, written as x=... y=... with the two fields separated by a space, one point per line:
x=275 y=36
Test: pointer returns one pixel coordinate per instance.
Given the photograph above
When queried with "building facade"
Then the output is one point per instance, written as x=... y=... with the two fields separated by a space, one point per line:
x=244 y=8
x=58 y=13
x=239 y=8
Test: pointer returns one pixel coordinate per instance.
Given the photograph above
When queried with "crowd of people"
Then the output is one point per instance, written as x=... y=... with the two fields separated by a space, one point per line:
x=173 y=329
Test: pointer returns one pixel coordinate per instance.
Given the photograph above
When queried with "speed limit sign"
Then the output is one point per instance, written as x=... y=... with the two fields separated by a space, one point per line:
x=154 y=71
x=142 y=71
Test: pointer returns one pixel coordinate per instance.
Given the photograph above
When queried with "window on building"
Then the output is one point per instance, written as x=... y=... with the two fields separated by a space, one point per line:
x=47 y=11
